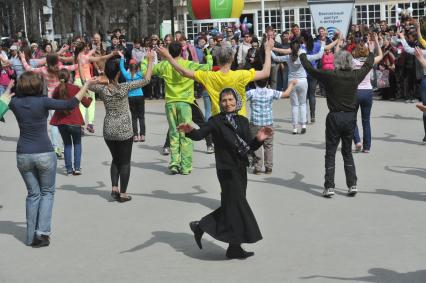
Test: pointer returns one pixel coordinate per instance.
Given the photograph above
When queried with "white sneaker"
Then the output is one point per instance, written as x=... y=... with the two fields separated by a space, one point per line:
x=328 y=192
x=352 y=191
x=294 y=131
x=166 y=151
x=210 y=149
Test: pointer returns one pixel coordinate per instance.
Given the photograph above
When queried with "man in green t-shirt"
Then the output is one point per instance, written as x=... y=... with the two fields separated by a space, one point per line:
x=179 y=97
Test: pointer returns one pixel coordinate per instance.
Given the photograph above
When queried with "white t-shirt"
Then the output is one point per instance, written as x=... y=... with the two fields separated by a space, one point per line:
x=366 y=82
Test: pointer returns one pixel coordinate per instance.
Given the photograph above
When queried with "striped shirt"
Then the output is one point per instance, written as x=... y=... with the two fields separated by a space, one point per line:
x=51 y=80
x=261 y=105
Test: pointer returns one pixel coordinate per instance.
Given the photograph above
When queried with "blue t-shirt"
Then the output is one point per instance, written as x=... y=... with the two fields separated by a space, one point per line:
x=31 y=112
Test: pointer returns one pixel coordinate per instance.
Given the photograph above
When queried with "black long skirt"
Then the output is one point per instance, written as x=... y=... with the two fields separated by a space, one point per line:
x=233 y=222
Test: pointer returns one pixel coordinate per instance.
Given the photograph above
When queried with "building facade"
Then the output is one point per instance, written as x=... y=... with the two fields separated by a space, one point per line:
x=281 y=14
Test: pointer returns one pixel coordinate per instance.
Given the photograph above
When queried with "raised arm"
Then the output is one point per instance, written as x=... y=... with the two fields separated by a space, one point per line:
x=279 y=59
x=376 y=45
x=27 y=67
x=331 y=45
x=123 y=70
x=318 y=55
x=5 y=98
x=283 y=51
x=419 y=34
x=316 y=73
x=407 y=48
x=100 y=58
x=420 y=57
x=265 y=72
x=181 y=70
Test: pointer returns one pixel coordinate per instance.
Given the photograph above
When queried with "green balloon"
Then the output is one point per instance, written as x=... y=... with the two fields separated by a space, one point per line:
x=220 y=9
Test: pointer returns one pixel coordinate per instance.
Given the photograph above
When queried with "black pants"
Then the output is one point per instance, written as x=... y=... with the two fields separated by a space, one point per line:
x=339 y=126
x=197 y=118
x=137 y=109
x=310 y=96
x=121 y=152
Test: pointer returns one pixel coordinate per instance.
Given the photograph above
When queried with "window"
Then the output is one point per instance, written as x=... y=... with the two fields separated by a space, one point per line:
x=305 y=20
x=288 y=19
x=272 y=18
x=191 y=29
x=367 y=14
x=418 y=10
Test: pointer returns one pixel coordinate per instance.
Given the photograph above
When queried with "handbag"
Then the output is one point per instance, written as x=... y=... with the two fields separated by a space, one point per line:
x=382 y=79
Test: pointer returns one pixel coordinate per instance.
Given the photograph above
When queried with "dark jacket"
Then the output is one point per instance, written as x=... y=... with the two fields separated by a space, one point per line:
x=225 y=140
x=341 y=85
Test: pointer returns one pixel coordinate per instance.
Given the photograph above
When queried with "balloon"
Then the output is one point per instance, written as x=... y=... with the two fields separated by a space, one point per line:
x=410 y=10
x=249 y=25
x=398 y=10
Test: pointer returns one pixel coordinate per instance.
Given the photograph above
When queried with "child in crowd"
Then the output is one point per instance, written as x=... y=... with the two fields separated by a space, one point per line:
x=261 y=99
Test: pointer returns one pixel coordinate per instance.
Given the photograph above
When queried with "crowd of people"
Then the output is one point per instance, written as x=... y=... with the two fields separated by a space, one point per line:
x=231 y=73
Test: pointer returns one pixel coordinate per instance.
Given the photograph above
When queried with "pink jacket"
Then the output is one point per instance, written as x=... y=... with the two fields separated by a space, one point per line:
x=328 y=61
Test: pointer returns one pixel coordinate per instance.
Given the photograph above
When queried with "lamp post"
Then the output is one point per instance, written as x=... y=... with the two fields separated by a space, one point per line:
x=172 y=13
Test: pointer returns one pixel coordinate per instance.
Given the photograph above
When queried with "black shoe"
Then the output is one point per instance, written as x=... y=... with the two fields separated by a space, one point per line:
x=303 y=131
x=268 y=171
x=124 y=199
x=198 y=233
x=237 y=253
x=115 y=195
x=424 y=139
x=42 y=241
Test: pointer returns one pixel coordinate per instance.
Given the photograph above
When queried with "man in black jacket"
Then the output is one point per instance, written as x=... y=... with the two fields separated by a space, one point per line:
x=341 y=86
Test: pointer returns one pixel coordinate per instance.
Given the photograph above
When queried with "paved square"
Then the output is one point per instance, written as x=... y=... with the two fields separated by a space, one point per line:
x=378 y=236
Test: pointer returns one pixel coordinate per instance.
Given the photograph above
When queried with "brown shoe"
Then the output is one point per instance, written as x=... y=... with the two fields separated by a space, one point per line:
x=268 y=171
x=257 y=172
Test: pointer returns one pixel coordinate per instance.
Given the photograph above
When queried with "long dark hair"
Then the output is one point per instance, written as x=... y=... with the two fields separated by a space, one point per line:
x=308 y=40
x=295 y=46
x=64 y=77
x=52 y=61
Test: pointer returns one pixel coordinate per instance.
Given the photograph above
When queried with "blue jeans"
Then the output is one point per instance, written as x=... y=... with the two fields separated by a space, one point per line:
x=365 y=101
x=54 y=133
x=39 y=172
x=71 y=135
x=207 y=105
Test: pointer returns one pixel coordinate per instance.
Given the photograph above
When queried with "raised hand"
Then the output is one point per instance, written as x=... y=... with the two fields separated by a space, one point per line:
x=164 y=52
x=92 y=81
x=7 y=93
x=269 y=45
x=264 y=133
x=186 y=128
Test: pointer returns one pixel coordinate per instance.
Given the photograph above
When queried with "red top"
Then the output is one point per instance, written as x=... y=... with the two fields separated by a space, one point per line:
x=74 y=118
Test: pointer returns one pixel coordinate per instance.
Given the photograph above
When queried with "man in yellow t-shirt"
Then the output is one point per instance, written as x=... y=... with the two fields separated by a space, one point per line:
x=215 y=82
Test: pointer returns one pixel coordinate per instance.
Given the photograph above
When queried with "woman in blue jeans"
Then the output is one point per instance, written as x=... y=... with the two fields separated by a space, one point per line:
x=36 y=159
x=69 y=122
x=365 y=91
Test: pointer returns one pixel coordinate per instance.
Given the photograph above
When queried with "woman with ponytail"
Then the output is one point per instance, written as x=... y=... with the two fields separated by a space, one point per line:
x=50 y=76
x=69 y=122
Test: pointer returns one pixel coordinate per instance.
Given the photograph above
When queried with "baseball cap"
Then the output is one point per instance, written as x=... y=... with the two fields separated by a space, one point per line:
x=14 y=47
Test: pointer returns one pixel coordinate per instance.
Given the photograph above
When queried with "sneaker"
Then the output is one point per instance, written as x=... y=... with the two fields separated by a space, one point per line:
x=174 y=170
x=186 y=172
x=413 y=100
x=257 y=171
x=166 y=151
x=407 y=101
x=358 y=147
x=295 y=131
x=303 y=131
x=40 y=241
x=268 y=171
x=366 y=150
x=77 y=172
x=210 y=149
x=135 y=139
x=352 y=191
x=82 y=131
x=70 y=173
x=328 y=192
x=424 y=139
x=142 y=138
x=313 y=120
x=90 y=128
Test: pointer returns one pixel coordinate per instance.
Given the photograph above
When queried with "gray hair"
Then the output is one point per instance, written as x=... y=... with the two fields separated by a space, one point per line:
x=343 y=60
x=224 y=55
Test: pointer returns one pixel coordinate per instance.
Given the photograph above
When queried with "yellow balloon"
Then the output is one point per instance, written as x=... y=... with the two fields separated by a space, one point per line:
x=237 y=8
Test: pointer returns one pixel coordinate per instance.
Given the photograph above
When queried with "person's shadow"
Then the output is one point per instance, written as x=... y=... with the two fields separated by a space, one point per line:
x=193 y=197
x=421 y=172
x=183 y=243
x=14 y=229
x=9 y=139
x=296 y=183
x=398 y=117
x=95 y=190
x=416 y=196
x=320 y=146
x=379 y=275
x=392 y=138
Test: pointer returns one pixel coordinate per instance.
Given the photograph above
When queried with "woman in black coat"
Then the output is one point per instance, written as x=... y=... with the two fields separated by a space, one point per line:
x=233 y=222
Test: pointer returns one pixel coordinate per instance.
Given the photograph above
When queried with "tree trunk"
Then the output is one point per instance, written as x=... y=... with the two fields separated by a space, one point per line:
x=144 y=15
x=77 y=18
x=83 y=8
x=33 y=21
